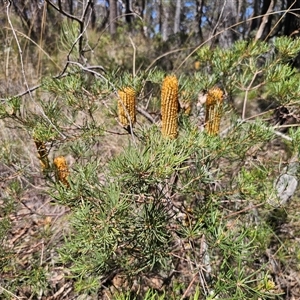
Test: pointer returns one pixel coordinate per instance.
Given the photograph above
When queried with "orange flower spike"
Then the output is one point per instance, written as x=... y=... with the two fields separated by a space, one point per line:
x=214 y=102
x=126 y=106
x=62 y=170
x=169 y=107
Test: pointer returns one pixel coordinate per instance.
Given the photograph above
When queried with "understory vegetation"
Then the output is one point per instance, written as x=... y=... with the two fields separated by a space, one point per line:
x=91 y=209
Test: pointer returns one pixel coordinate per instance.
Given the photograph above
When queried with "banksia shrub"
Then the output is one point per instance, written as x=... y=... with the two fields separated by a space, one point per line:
x=169 y=107
x=42 y=154
x=213 y=114
x=61 y=170
x=126 y=106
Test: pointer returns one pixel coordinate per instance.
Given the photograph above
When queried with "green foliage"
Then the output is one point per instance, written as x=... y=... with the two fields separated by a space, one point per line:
x=190 y=213
x=287 y=48
x=10 y=107
x=69 y=36
x=239 y=68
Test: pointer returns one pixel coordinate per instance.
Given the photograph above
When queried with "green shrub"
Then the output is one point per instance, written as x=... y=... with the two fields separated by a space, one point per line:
x=186 y=217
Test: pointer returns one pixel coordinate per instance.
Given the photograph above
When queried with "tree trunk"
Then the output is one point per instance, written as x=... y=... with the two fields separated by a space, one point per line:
x=113 y=13
x=31 y=16
x=177 y=16
x=228 y=18
x=93 y=15
x=165 y=9
x=256 y=11
x=142 y=8
x=197 y=28
x=268 y=6
x=128 y=11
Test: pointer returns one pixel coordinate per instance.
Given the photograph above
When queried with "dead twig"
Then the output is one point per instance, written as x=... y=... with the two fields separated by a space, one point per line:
x=264 y=22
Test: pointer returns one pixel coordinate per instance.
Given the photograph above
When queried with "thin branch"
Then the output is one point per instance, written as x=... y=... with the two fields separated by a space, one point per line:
x=87 y=69
x=33 y=42
x=28 y=91
x=287 y=11
x=264 y=22
x=23 y=70
x=10 y=293
x=145 y=114
x=82 y=27
x=62 y=11
x=246 y=93
x=114 y=89
x=287 y=126
x=90 y=70
x=81 y=23
x=218 y=22
x=218 y=33
x=18 y=45
x=134 y=55
x=189 y=287
x=284 y=136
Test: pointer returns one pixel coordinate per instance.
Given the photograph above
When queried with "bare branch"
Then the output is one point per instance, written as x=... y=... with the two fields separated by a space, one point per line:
x=18 y=45
x=59 y=9
x=264 y=22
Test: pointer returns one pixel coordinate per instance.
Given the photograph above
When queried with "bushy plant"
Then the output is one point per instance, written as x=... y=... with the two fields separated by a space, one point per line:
x=189 y=216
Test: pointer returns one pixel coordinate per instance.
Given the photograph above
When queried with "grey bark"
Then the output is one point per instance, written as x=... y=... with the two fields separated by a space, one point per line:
x=256 y=11
x=113 y=13
x=197 y=27
x=165 y=11
x=128 y=11
x=31 y=15
x=177 y=16
x=229 y=17
x=265 y=25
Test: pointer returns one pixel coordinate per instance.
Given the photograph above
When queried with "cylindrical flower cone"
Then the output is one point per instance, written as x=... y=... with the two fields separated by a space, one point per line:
x=126 y=106
x=214 y=102
x=62 y=170
x=169 y=107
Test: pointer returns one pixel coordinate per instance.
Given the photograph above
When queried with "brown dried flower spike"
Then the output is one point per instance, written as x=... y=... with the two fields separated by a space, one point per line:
x=169 y=107
x=62 y=171
x=126 y=106
x=43 y=154
x=213 y=114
